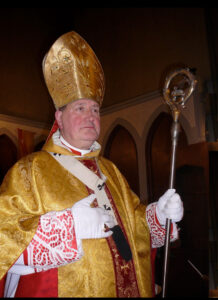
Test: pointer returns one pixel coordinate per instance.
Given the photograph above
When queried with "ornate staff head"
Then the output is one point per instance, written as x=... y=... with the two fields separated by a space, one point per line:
x=178 y=87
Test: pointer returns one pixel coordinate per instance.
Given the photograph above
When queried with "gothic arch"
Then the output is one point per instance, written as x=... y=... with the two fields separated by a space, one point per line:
x=165 y=109
x=127 y=126
x=158 y=154
x=13 y=138
x=8 y=155
x=122 y=150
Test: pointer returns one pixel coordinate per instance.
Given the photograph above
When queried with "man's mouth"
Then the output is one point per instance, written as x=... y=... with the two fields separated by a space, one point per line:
x=89 y=127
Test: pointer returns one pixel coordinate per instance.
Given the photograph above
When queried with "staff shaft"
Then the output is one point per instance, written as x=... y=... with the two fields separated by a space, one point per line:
x=175 y=97
x=174 y=136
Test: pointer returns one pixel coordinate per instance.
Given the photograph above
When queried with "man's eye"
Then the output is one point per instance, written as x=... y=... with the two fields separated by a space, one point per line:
x=96 y=110
x=80 y=108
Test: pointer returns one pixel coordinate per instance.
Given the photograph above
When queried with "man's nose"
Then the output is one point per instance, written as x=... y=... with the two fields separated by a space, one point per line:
x=90 y=114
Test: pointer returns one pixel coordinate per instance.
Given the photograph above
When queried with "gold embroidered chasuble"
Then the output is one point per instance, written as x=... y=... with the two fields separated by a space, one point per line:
x=38 y=184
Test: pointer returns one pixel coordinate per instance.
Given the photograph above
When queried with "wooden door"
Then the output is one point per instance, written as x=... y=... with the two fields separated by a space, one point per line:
x=191 y=182
x=8 y=155
x=121 y=150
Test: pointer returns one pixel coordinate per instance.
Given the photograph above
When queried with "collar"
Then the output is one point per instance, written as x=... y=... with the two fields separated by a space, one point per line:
x=73 y=149
x=55 y=144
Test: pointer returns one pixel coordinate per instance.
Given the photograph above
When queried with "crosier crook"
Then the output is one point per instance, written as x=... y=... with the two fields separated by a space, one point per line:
x=176 y=99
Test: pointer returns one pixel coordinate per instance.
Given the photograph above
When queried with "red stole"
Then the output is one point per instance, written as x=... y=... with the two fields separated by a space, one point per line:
x=126 y=280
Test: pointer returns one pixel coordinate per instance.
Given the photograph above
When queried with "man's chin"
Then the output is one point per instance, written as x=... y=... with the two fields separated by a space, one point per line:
x=90 y=134
x=90 y=138
x=87 y=143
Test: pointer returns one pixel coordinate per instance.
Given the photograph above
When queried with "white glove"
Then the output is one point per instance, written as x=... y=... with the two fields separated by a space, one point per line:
x=89 y=221
x=169 y=206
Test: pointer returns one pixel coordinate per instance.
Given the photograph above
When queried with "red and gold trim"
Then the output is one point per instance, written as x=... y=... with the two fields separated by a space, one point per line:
x=126 y=280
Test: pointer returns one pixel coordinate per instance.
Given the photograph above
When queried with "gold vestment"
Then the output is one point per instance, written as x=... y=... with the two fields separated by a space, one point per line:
x=38 y=184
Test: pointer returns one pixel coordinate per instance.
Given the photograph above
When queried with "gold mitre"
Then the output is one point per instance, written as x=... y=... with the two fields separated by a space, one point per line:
x=72 y=71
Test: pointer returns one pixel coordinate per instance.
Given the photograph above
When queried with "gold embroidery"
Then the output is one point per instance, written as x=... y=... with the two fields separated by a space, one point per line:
x=125 y=268
x=33 y=182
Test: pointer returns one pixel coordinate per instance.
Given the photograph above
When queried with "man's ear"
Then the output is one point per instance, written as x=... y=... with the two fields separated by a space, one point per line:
x=58 y=117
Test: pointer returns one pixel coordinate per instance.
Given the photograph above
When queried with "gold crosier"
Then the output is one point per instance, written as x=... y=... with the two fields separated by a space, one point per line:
x=178 y=87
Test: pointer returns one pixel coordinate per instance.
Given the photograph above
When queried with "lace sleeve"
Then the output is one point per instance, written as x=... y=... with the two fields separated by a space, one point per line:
x=54 y=243
x=156 y=230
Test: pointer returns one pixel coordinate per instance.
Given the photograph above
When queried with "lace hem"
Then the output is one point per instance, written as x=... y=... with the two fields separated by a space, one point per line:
x=54 y=243
x=156 y=230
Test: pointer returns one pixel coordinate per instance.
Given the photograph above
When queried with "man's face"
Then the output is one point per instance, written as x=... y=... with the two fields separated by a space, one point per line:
x=79 y=123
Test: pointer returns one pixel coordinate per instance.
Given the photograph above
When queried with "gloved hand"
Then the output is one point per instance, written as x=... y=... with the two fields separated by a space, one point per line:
x=169 y=206
x=90 y=221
